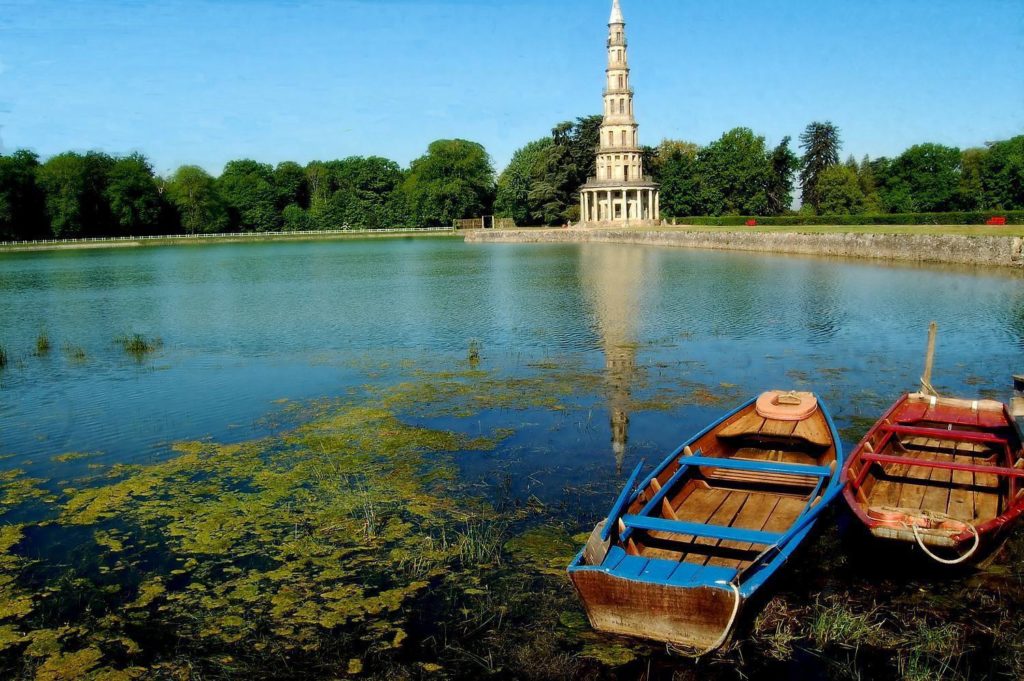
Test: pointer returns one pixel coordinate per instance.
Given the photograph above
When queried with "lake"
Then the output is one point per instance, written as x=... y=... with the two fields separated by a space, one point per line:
x=526 y=378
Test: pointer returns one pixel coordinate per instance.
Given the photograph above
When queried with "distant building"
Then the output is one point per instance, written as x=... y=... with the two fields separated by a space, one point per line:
x=620 y=194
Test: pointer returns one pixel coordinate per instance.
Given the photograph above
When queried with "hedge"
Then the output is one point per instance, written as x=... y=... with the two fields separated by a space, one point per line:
x=1015 y=217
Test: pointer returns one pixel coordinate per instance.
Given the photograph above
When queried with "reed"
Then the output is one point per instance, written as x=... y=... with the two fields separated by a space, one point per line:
x=42 y=344
x=74 y=352
x=138 y=345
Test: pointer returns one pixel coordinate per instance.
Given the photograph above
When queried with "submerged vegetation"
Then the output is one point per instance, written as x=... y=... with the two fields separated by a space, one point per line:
x=74 y=352
x=138 y=346
x=347 y=544
x=42 y=344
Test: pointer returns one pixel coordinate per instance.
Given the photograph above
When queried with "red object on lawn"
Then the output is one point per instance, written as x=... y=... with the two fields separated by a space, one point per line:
x=751 y=223
x=942 y=472
x=996 y=222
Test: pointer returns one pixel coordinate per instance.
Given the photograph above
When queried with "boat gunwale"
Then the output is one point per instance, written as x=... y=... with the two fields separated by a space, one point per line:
x=880 y=528
x=763 y=566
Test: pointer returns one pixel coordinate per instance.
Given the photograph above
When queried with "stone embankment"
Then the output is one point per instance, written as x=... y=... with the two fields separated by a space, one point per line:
x=991 y=251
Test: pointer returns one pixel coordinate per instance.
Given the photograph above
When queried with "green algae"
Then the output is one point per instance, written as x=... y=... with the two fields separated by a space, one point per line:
x=17 y=489
x=296 y=543
x=549 y=549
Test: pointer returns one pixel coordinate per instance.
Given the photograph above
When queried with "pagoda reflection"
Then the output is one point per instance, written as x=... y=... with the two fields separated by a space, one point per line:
x=613 y=277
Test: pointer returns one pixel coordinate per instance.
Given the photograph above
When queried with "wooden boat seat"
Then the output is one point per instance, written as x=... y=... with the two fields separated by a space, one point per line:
x=686 y=529
x=946 y=434
x=759 y=471
x=753 y=424
x=661 y=571
x=944 y=465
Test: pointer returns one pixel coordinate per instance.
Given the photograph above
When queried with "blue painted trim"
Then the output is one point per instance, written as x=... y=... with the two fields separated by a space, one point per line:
x=759 y=466
x=620 y=503
x=667 y=487
x=702 y=530
x=678 y=452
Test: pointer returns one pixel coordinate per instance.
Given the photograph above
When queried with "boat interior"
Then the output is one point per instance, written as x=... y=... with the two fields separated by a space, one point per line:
x=948 y=458
x=732 y=493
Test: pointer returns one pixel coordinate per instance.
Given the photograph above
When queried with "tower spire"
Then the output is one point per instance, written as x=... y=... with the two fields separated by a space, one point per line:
x=617 y=17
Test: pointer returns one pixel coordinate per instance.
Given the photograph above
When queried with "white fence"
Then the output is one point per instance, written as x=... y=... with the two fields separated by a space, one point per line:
x=232 y=235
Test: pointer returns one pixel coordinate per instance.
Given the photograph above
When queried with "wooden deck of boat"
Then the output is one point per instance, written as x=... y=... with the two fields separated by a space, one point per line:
x=964 y=495
x=700 y=502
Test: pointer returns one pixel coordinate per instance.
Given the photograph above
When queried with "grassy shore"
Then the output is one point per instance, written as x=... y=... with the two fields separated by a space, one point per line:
x=222 y=239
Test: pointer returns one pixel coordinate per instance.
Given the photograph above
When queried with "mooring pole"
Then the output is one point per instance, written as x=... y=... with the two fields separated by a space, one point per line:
x=1017 y=406
x=929 y=360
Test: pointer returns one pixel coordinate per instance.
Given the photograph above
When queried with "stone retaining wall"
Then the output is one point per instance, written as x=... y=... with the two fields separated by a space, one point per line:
x=963 y=250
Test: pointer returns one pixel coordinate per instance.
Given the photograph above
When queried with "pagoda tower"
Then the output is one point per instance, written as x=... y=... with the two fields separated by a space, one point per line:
x=620 y=194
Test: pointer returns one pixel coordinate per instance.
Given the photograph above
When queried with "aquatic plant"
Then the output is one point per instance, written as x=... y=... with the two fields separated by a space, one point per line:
x=42 y=344
x=74 y=352
x=3 y=357
x=138 y=345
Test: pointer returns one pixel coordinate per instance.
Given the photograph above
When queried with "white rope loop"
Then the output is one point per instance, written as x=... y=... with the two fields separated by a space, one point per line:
x=956 y=561
x=676 y=650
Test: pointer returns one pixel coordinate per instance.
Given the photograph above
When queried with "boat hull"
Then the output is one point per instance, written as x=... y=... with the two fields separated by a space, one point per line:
x=681 y=552
x=941 y=473
x=689 y=617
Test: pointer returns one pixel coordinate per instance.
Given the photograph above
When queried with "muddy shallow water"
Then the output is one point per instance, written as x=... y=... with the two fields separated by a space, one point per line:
x=374 y=459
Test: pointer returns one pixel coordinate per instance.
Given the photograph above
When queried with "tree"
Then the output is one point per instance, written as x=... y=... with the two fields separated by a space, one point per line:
x=839 y=191
x=821 y=144
x=677 y=173
x=133 y=195
x=734 y=174
x=363 y=193
x=1003 y=174
x=784 y=163
x=970 y=194
x=75 y=188
x=528 y=166
x=192 y=191
x=248 y=190
x=22 y=204
x=923 y=179
x=291 y=184
x=454 y=180
x=656 y=158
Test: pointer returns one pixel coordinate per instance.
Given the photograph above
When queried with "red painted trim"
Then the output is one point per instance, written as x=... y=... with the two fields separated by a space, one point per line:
x=943 y=434
x=965 y=467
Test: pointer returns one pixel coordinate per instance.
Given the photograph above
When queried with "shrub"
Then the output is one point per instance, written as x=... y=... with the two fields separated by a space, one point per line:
x=958 y=218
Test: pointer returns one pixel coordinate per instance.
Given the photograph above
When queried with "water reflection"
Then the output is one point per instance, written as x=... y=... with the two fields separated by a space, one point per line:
x=613 y=281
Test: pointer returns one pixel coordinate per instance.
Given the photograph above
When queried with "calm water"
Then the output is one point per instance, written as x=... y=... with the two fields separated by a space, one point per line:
x=245 y=327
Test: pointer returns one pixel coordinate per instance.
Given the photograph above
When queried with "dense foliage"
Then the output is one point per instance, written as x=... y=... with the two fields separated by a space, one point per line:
x=541 y=184
x=74 y=195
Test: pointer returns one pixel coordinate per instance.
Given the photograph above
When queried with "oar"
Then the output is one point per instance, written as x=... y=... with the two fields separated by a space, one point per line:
x=620 y=503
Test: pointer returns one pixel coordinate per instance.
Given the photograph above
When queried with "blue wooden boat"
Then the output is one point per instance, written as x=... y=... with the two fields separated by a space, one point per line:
x=680 y=553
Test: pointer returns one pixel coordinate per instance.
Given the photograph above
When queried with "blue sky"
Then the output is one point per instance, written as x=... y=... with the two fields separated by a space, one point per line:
x=204 y=81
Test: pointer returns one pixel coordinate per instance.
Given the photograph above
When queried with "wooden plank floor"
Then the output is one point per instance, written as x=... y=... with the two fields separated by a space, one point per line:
x=963 y=495
x=701 y=503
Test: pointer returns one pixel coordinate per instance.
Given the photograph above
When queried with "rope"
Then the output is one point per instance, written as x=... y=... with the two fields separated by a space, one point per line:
x=956 y=561
x=676 y=650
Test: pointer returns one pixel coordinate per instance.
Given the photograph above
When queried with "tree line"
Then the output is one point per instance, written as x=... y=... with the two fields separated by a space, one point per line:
x=74 y=195
x=740 y=174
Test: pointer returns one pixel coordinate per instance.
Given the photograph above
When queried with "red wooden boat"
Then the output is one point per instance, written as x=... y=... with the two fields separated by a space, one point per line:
x=944 y=473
